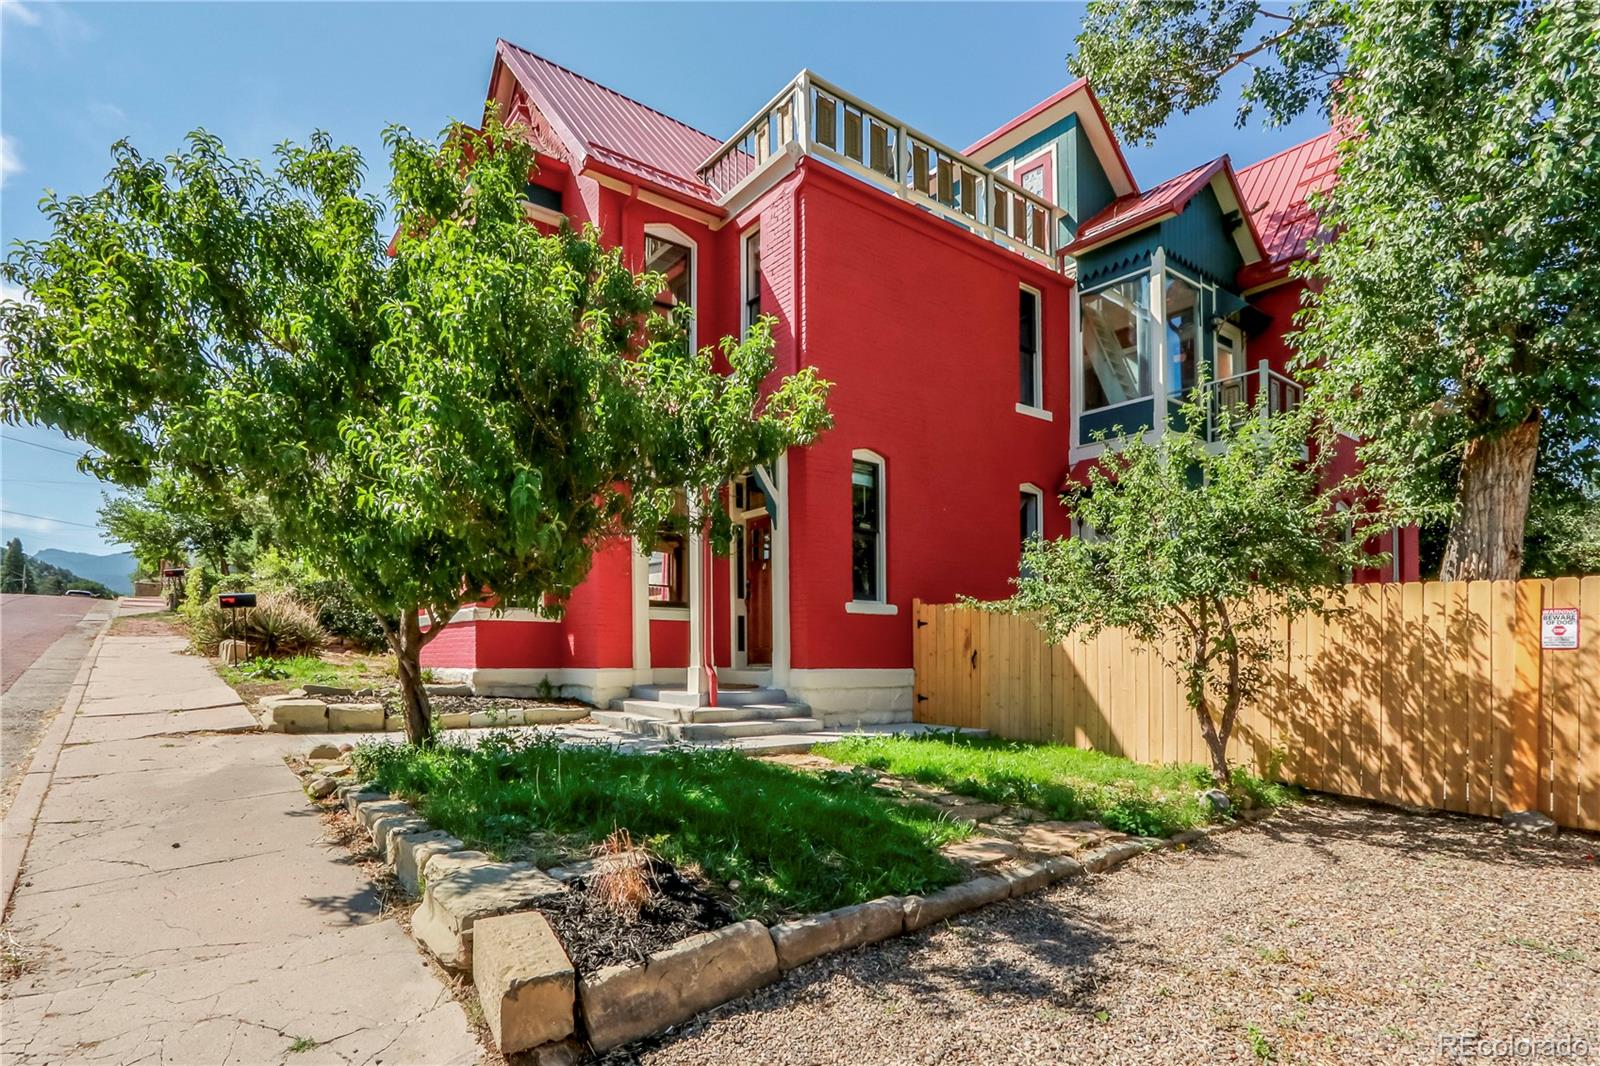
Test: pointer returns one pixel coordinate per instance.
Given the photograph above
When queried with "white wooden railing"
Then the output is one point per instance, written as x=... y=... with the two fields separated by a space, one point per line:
x=810 y=116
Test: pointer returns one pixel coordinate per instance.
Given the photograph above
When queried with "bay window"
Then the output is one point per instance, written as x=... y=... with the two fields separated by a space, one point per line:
x=1117 y=343
x=1183 y=335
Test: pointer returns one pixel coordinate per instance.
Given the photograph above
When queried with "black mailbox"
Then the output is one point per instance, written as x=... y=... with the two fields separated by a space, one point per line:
x=236 y=599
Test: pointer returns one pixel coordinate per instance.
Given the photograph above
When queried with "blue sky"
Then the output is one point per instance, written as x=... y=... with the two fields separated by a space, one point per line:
x=75 y=77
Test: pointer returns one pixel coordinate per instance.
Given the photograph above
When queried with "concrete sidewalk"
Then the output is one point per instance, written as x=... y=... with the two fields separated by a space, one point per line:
x=180 y=905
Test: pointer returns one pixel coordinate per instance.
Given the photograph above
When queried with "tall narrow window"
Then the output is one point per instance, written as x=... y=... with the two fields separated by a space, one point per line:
x=1183 y=334
x=752 y=278
x=1028 y=367
x=1117 y=343
x=668 y=572
x=866 y=530
x=1032 y=502
x=674 y=261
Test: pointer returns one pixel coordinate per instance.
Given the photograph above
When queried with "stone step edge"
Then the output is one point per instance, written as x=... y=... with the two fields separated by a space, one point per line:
x=799 y=941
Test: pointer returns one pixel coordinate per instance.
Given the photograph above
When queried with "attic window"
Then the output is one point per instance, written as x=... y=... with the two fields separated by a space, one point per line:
x=543 y=196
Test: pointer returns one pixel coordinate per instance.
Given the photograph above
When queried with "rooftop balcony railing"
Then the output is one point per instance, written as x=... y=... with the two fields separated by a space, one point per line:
x=810 y=116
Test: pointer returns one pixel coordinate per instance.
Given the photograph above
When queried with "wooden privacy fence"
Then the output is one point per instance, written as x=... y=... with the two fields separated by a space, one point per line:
x=1432 y=694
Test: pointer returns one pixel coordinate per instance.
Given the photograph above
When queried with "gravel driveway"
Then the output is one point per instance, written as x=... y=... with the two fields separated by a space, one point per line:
x=1334 y=933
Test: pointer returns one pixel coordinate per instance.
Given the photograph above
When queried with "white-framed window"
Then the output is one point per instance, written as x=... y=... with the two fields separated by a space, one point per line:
x=1182 y=307
x=750 y=278
x=1118 y=343
x=1030 y=347
x=1030 y=499
x=671 y=252
x=867 y=534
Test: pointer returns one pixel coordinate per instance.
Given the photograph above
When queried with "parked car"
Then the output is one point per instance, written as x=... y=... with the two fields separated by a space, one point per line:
x=78 y=592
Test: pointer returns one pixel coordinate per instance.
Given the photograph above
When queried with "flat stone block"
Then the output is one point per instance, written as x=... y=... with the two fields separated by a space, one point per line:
x=454 y=720
x=552 y=715
x=1028 y=878
x=1046 y=839
x=356 y=796
x=295 y=715
x=355 y=717
x=384 y=829
x=808 y=938
x=410 y=852
x=525 y=982
x=1104 y=858
x=980 y=851
x=233 y=652
x=395 y=723
x=492 y=719
x=368 y=813
x=623 y=1003
x=957 y=899
x=459 y=892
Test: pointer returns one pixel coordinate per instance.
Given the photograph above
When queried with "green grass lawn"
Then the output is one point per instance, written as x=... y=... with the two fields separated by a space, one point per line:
x=781 y=841
x=262 y=677
x=1067 y=783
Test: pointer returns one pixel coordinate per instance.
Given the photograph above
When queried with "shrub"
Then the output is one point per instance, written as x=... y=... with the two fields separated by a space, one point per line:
x=277 y=625
x=333 y=601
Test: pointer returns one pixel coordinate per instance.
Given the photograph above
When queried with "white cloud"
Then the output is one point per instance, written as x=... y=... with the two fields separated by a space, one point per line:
x=23 y=13
x=9 y=162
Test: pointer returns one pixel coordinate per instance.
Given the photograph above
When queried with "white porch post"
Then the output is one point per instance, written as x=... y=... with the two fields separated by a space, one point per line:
x=640 y=600
x=697 y=681
x=780 y=577
x=1158 y=314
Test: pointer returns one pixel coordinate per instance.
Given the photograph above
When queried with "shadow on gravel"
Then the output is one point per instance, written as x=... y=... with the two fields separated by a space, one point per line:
x=1324 y=821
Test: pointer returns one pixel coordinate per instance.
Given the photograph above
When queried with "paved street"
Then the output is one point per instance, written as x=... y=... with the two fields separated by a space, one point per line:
x=179 y=902
x=30 y=624
x=43 y=640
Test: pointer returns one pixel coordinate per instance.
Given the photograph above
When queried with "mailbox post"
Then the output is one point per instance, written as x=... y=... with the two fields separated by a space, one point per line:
x=235 y=650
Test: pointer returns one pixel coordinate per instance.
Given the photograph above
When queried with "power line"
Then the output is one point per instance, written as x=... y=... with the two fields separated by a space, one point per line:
x=47 y=518
x=48 y=481
x=46 y=447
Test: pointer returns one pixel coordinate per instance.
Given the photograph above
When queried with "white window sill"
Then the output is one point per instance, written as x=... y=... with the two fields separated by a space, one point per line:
x=669 y=614
x=1035 y=412
x=870 y=607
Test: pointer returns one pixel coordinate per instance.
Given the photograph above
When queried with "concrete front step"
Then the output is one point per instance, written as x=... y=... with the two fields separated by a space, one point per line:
x=727 y=695
x=705 y=732
x=671 y=712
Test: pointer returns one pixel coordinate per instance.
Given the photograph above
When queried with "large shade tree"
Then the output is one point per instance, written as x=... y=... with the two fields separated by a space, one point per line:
x=1451 y=321
x=473 y=410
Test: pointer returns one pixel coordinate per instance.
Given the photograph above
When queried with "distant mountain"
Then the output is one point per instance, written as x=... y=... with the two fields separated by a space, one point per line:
x=115 y=572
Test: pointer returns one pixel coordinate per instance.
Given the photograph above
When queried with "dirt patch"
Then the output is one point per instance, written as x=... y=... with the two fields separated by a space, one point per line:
x=595 y=936
x=164 y=624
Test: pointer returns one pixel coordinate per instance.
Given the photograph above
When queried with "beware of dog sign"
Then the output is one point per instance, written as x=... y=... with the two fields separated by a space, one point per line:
x=1558 y=629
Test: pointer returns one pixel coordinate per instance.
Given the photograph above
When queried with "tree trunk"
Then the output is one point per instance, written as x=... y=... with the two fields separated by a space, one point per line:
x=1492 y=506
x=406 y=640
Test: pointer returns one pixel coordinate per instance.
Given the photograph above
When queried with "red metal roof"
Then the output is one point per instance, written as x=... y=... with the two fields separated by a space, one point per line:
x=606 y=127
x=1128 y=213
x=1274 y=191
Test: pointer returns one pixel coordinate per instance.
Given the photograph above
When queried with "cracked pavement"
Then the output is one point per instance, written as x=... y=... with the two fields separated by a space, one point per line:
x=180 y=903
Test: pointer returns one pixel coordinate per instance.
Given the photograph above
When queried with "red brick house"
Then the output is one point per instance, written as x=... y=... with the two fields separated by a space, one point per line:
x=957 y=406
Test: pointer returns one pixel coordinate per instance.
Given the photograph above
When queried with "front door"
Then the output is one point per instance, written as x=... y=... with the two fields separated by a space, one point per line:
x=758 y=590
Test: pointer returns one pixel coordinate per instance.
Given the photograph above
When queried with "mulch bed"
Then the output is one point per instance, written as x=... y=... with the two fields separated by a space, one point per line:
x=595 y=936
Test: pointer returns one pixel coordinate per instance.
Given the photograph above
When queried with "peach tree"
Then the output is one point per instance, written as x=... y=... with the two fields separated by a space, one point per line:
x=434 y=399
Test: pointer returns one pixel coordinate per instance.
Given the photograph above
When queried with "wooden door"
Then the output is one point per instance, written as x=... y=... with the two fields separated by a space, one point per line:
x=758 y=591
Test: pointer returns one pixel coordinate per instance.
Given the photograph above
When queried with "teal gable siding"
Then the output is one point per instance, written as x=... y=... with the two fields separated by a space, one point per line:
x=1199 y=240
x=1082 y=187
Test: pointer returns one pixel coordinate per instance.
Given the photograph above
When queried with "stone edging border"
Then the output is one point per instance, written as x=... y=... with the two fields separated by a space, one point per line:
x=16 y=831
x=308 y=714
x=526 y=984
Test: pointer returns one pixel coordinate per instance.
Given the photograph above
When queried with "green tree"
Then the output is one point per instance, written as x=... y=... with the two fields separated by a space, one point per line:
x=1450 y=322
x=14 y=569
x=478 y=410
x=1199 y=553
x=174 y=516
